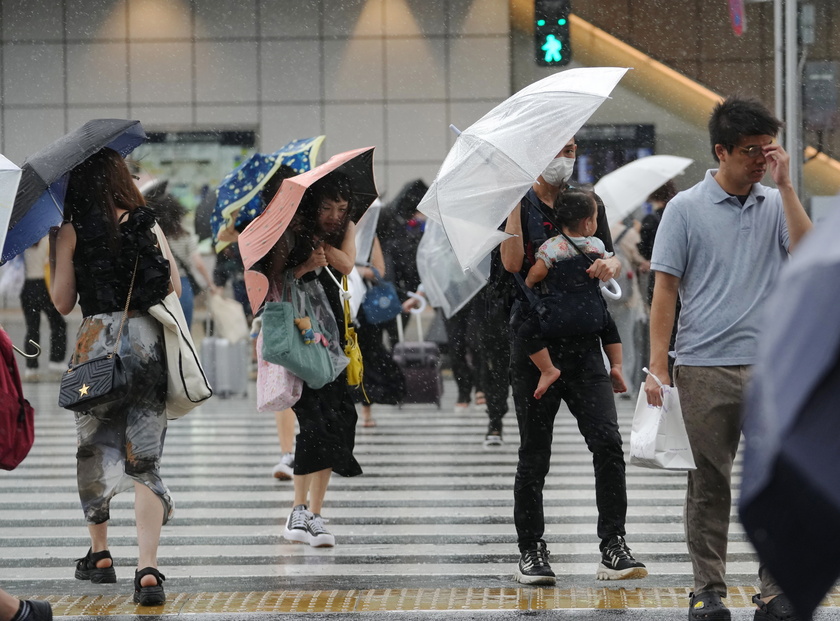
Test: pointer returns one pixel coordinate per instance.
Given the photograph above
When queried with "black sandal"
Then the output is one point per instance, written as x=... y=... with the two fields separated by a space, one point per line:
x=149 y=595
x=86 y=568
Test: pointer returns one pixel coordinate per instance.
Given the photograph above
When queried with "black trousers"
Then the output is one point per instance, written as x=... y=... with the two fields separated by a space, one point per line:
x=586 y=389
x=493 y=340
x=34 y=300
x=463 y=353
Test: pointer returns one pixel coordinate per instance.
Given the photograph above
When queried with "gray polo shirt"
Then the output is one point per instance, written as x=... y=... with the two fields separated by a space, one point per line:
x=728 y=258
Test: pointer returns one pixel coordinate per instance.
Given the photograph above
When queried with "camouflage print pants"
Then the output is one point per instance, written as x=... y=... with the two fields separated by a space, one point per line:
x=120 y=443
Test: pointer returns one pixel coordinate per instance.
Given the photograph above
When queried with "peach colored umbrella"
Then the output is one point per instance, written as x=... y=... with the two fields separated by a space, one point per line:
x=260 y=236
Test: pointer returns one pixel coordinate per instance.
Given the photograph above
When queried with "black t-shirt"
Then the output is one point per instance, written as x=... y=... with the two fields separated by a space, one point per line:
x=103 y=276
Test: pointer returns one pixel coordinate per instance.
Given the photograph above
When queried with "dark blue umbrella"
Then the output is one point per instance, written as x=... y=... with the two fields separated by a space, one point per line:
x=790 y=495
x=39 y=203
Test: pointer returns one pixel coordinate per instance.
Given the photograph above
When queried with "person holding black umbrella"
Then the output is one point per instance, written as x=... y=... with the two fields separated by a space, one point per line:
x=720 y=247
x=320 y=237
x=110 y=255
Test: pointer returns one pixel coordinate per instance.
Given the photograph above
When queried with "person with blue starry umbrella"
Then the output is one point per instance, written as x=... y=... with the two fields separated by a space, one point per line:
x=239 y=199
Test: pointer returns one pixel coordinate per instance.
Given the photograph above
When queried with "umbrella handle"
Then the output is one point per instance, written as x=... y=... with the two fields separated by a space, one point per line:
x=419 y=298
x=611 y=289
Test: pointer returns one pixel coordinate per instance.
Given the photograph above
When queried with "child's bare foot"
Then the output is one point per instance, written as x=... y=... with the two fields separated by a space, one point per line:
x=547 y=378
x=617 y=380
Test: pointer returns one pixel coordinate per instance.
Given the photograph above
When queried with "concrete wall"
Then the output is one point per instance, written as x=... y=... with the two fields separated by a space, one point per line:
x=389 y=73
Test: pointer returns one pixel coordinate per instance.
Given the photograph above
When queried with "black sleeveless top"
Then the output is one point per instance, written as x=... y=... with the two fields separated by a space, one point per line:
x=103 y=279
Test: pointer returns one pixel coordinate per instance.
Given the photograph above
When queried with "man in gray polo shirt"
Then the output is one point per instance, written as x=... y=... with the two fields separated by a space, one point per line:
x=720 y=247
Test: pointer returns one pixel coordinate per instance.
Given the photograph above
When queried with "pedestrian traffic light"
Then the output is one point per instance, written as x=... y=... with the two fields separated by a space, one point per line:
x=551 y=32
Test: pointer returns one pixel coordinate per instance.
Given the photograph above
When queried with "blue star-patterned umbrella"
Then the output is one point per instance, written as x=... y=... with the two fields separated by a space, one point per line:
x=238 y=199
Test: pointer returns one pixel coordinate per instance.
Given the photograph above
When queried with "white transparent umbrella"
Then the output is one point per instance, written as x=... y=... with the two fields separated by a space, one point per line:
x=9 y=180
x=446 y=284
x=365 y=234
x=366 y=231
x=495 y=161
x=626 y=188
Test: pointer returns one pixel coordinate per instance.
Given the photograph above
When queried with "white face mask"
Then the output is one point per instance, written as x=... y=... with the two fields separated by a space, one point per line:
x=559 y=170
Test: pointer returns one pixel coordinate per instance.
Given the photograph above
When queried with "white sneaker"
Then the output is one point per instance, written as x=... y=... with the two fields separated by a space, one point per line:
x=285 y=468
x=320 y=537
x=31 y=375
x=297 y=525
x=57 y=367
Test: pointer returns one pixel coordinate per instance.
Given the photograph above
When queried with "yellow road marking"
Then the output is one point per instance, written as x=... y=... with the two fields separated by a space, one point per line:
x=390 y=600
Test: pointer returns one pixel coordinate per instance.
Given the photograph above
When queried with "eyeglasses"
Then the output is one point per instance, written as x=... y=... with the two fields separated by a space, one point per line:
x=753 y=151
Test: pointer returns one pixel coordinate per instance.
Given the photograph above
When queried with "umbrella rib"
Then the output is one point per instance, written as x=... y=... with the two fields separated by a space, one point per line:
x=473 y=139
x=55 y=201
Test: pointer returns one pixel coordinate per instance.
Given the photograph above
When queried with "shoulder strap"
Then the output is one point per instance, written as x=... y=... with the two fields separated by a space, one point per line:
x=529 y=295
x=127 y=302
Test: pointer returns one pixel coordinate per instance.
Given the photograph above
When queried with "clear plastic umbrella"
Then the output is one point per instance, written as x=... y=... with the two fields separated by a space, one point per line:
x=9 y=180
x=446 y=284
x=366 y=231
x=495 y=160
x=626 y=188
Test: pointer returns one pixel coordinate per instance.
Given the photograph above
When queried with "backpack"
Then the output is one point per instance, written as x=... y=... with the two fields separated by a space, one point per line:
x=17 y=418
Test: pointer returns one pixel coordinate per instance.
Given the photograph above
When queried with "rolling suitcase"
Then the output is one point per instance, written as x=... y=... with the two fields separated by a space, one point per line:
x=226 y=366
x=420 y=363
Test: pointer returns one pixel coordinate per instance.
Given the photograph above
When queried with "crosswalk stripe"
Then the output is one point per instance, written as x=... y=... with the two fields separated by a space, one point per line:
x=433 y=509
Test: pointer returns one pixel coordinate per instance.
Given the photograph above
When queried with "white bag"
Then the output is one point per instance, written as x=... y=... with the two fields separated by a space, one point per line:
x=658 y=438
x=229 y=321
x=186 y=384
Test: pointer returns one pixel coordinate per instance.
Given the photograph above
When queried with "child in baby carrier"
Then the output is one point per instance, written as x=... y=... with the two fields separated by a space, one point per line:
x=577 y=213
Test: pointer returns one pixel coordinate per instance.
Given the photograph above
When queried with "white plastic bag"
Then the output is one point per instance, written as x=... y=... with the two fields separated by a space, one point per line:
x=658 y=438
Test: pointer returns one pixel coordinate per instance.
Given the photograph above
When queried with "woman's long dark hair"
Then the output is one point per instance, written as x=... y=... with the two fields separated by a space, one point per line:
x=97 y=188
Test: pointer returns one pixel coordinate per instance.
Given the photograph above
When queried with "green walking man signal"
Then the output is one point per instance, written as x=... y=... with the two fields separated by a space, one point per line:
x=551 y=32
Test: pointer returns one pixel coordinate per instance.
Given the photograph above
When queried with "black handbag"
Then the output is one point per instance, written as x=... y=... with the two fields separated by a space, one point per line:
x=99 y=380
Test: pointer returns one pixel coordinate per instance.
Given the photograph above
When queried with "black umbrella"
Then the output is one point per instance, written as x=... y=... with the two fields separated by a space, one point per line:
x=39 y=203
x=790 y=498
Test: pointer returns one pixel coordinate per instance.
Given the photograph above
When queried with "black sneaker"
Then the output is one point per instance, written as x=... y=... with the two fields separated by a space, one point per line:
x=297 y=525
x=777 y=609
x=534 y=568
x=707 y=606
x=319 y=536
x=493 y=438
x=617 y=563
